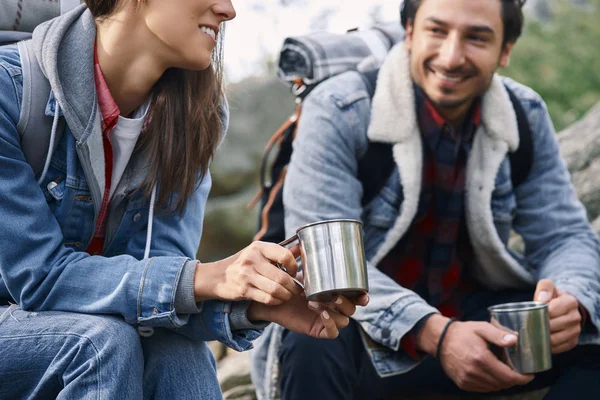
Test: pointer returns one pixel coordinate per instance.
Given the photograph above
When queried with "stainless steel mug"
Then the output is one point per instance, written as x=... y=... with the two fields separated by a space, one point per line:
x=529 y=319
x=333 y=259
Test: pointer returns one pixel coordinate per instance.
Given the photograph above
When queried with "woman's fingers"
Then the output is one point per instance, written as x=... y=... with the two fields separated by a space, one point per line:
x=330 y=330
x=277 y=276
x=341 y=305
x=344 y=306
x=259 y=296
x=271 y=287
x=277 y=254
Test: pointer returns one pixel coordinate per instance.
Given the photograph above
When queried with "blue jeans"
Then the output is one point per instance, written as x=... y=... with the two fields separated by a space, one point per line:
x=342 y=369
x=78 y=356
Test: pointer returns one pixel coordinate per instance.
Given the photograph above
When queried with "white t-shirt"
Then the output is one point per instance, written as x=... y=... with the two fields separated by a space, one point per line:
x=123 y=139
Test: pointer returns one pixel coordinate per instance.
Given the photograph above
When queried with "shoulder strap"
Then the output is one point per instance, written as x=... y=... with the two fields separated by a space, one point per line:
x=521 y=160
x=376 y=166
x=9 y=37
x=34 y=126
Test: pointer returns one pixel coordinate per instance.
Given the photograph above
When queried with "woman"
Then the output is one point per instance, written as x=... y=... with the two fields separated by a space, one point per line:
x=102 y=241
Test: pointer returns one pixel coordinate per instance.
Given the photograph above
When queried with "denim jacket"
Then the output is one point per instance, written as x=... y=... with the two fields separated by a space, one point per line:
x=339 y=117
x=45 y=228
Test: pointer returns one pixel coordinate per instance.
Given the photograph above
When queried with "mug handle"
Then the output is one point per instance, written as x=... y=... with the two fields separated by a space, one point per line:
x=287 y=243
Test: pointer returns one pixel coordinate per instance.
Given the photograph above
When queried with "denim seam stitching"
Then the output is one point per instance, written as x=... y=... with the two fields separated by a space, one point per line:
x=141 y=291
x=174 y=289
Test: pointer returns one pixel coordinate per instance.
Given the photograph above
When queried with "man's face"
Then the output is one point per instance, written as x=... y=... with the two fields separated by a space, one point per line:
x=455 y=47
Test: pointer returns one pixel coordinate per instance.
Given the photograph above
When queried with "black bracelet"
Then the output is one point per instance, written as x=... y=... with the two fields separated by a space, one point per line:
x=442 y=336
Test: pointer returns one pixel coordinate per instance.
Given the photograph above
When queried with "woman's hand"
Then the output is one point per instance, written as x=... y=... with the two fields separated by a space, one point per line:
x=320 y=320
x=249 y=275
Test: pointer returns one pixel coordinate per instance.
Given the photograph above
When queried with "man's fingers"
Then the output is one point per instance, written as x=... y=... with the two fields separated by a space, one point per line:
x=506 y=376
x=561 y=305
x=570 y=335
x=496 y=336
x=565 y=322
x=544 y=291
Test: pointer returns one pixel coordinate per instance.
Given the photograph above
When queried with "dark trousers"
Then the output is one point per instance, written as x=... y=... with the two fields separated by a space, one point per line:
x=317 y=369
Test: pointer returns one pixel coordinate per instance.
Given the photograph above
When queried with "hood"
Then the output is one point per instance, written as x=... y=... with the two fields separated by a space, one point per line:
x=64 y=49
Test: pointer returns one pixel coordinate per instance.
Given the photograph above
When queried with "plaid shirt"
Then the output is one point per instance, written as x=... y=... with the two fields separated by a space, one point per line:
x=430 y=258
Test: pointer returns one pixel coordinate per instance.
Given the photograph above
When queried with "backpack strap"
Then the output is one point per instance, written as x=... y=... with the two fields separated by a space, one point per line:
x=34 y=126
x=376 y=166
x=521 y=160
x=10 y=37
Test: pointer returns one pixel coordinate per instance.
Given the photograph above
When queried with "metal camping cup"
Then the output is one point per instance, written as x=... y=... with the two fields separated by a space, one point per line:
x=333 y=259
x=529 y=319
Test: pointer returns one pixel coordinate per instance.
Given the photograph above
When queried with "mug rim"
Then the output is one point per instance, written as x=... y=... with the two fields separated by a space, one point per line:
x=326 y=222
x=517 y=306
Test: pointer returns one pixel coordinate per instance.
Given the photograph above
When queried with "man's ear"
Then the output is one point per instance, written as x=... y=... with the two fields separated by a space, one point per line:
x=504 y=61
x=409 y=35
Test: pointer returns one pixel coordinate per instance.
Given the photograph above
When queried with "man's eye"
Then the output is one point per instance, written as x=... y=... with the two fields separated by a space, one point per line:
x=436 y=30
x=478 y=39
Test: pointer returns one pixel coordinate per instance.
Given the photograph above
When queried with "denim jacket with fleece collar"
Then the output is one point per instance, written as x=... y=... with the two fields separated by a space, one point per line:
x=339 y=117
x=45 y=228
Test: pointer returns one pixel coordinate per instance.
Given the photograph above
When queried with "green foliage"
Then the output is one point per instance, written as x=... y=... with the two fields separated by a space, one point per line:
x=560 y=59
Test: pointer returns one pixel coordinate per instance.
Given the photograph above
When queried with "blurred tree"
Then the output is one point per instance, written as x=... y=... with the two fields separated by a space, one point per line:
x=559 y=59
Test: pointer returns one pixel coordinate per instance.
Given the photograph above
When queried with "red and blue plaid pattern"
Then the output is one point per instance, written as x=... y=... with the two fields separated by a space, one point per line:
x=431 y=256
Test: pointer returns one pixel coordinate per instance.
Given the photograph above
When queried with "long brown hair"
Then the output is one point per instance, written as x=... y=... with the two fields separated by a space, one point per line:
x=185 y=125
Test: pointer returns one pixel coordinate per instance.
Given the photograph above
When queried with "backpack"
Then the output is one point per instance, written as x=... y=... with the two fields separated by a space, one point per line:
x=377 y=164
x=34 y=126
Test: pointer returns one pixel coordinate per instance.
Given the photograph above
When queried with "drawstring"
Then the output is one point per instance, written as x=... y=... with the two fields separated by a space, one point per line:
x=150 y=221
x=147 y=331
x=51 y=145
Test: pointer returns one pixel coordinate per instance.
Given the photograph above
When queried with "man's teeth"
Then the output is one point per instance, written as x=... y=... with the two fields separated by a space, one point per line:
x=209 y=32
x=447 y=78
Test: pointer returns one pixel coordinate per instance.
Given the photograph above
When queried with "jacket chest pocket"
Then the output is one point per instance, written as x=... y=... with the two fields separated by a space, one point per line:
x=504 y=209
x=71 y=203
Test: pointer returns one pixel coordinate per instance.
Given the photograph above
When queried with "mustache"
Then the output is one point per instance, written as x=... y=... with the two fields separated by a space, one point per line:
x=455 y=71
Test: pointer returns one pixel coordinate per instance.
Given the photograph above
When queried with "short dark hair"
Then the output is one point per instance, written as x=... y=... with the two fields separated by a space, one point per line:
x=512 y=17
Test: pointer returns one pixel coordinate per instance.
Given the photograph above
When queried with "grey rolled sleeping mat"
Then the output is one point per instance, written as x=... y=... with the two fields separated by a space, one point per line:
x=18 y=18
x=25 y=15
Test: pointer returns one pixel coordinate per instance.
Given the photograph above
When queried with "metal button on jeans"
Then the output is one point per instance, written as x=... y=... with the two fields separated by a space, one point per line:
x=137 y=217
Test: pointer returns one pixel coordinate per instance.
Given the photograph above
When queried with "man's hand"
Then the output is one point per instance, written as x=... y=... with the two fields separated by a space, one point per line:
x=466 y=357
x=565 y=319
x=320 y=320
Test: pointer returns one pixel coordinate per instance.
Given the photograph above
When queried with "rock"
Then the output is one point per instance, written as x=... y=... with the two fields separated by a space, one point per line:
x=234 y=371
x=580 y=146
x=245 y=392
x=218 y=349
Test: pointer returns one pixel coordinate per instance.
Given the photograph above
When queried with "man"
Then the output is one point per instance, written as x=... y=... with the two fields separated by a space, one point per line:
x=436 y=235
